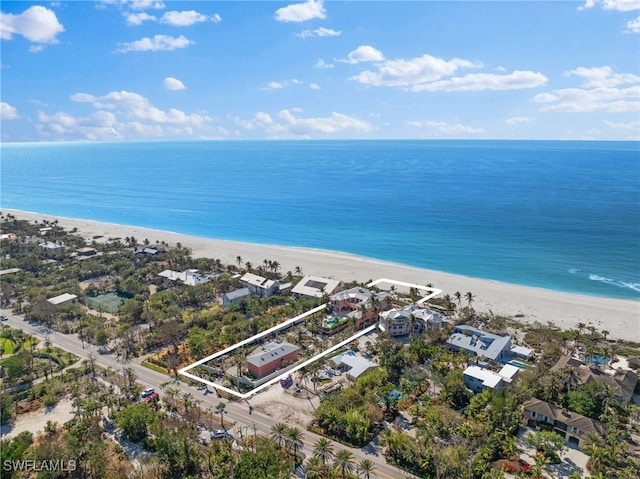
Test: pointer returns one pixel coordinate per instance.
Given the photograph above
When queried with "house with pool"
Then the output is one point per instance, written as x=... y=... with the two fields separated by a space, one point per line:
x=356 y=305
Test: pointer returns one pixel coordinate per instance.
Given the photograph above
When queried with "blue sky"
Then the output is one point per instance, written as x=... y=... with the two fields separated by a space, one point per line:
x=151 y=69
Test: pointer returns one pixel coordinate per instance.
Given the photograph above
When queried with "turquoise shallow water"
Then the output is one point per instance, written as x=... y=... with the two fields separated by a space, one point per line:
x=559 y=215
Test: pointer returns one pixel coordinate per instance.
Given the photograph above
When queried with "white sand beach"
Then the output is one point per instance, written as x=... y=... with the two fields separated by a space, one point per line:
x=618 y=316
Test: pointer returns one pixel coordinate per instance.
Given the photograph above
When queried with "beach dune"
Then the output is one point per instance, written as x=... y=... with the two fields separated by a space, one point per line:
x=620 y=317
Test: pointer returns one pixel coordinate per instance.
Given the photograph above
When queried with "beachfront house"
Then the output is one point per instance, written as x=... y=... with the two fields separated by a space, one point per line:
x=260 y=286
x=316 y=286
x=271 y=357
x=235 y=296
x=570 y=425
x=623 y=382
x=480 y=343
x=402 y=321
x=189 y=277
x=357 y=304
x=352 y=364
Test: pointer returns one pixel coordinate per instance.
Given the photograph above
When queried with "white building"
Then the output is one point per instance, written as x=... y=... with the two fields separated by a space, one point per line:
x=316 y=286
x=190 y=277
x=260 y=286
x=400 y=321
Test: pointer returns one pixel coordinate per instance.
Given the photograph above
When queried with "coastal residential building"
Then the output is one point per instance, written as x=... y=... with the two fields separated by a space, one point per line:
x=271 y=357
x=356 y=304
x=148 y=250
x=316 y=286
x=62 y=299
x=352 y=364
x=624 y=382
x=480 y=343
x=402 y=321
x=189 y=277
x=53 y=245
x=260 y=286
x=570 y=425
x=478 y=379
x=235 y=296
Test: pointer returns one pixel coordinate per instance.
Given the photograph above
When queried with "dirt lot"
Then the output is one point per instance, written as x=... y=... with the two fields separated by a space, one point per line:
x=35 y=421
x=282 y=404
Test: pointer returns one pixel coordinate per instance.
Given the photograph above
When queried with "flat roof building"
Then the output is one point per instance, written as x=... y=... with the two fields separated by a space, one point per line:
x=271 y=357
x=259 y=285
x=64 y=298
x=480 y=343
x=316 y=286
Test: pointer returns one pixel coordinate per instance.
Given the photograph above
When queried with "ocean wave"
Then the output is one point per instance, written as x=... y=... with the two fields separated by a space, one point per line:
x=613 y=282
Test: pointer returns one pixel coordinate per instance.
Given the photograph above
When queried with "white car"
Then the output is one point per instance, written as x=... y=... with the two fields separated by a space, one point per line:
x=147 y=392
x=219 y=434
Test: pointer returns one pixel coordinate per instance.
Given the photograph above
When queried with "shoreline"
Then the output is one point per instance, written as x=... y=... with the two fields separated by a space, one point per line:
x=621 y=317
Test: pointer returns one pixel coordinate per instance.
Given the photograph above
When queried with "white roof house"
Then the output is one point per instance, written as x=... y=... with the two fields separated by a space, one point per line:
x=62 y=299
x=477 y=379
x=316 y=286
x=480 y=343
x=190 y=277
x=509 y=372
x=259 y=285
x=354 y=364
x=396 y=320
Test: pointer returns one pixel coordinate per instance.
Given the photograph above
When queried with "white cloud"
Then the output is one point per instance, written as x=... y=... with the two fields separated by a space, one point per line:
x=184 y=18
x=364 y=53
x=288 y=124
x=428 y=73
x=486 y=81
x=37 y=24
x=447 y=129
x=123 y=115
x=157 y=43
x=314 y=86
x=603 y=77
x=631 y=127
x=36 y=48
x=278 y=85
x=138 y=18
x=633 y=26
x=412 y=72
x=319 y=32
x=517 y=120
x=146 y=4
x=300 y=12
x=321 y=64
x=8 y=112
x=171 y=83
x=601 y=92
x=619 y=5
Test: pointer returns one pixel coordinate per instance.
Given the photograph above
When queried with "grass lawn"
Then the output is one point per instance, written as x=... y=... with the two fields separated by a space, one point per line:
x=8 y=345
x=155 y=367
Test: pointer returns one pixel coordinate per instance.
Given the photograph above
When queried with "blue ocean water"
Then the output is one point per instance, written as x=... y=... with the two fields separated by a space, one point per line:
x=559 y=215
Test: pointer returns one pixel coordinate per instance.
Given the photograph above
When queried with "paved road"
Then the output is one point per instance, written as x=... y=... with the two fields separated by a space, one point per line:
x=237 y=412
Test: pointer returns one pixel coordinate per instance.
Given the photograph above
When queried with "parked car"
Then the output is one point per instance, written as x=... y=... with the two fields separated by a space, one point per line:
x=220 y=434
x=286 y=382
x=154 y=396
x=3 y=318
x=147 y=392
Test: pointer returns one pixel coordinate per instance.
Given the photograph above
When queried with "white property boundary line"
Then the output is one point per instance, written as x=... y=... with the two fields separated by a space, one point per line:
x=185 y=371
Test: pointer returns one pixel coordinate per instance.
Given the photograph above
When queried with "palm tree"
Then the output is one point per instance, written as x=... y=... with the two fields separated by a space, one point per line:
x=248 y=265
x=458 y=297
x=298 y=270
x=239 y=261
x=315 y=469
x=220 y=407
x=469 y=297
x=323 y=449
x=294 y=442
x=279 y=433
x=366 y=467
x=344 y=461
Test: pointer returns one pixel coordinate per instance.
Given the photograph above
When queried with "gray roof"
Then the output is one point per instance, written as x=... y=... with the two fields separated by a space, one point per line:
x=479 y=342
x=402 y=314
x=270 y=352
x=570 y=418
x=238 y=293
x=357 y=364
